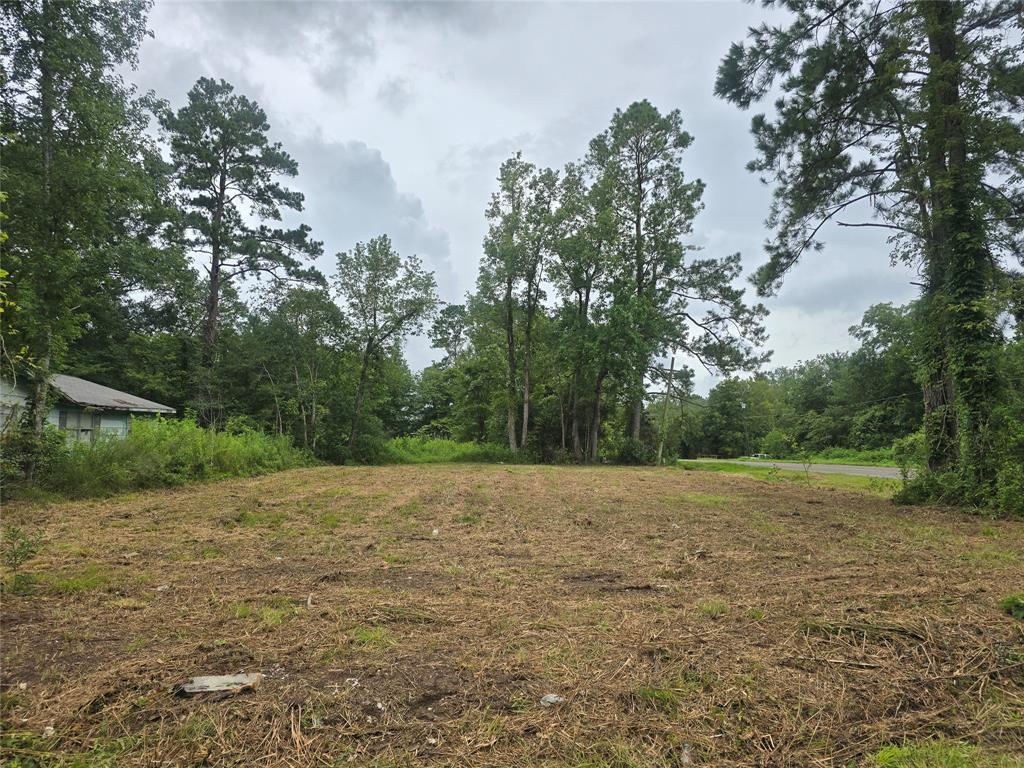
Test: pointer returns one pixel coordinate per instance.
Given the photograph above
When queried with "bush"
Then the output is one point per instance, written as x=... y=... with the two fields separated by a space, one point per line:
x=777 y=444
x=1010 y=489
x=633 y=451
x=20 y=448
x=158 y=453
x=16 y=549
x=909 y=453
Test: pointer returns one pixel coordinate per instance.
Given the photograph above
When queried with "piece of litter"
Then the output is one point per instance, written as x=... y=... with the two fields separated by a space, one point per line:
x=213 y=683
x=48 y=731
x=434 y=532
x=279 y=558
x=431 y=741
x=163 y=587
x=309 y=600
x=550 y=699
x=352 y=681
x=380 y=706
x=22 y=686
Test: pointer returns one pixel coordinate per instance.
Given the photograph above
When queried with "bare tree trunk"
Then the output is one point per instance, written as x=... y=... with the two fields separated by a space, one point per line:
x=664 y=407
x=561 y=419
x=574 y=425
x=302 y=407
x=212 y=307
x=526 y=397
x=47 y=138
x=636 y=416
x=311 y=371
x=510 y=341
x=360 y=392
x=595 y=416
x=277 y=402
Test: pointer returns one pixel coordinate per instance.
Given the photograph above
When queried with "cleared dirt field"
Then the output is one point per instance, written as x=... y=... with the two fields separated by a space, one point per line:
x=417 y=615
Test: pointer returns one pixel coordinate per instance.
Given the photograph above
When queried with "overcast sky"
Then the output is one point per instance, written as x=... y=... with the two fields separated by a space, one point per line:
x=399 y=116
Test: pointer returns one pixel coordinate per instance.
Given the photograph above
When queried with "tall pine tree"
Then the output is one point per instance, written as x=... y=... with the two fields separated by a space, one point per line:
x=227 y=171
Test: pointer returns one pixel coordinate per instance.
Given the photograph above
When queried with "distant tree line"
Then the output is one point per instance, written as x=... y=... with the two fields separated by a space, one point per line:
x=862 y=400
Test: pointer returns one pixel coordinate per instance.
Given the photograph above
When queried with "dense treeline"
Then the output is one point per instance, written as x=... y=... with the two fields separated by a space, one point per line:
x=155 y=261
x=863 y=400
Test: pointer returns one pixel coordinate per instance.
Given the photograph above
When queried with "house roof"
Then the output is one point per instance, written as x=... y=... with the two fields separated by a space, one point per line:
x=82 y=392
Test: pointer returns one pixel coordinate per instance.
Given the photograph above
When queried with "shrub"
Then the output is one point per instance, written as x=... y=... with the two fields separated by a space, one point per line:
x=777 y=444
x=633 y=451
x=1010 y=489
x=16 y=549
x=20 y=448
x=909 y=453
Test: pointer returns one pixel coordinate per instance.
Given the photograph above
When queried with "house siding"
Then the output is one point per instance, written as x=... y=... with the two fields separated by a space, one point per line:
x=79 y=423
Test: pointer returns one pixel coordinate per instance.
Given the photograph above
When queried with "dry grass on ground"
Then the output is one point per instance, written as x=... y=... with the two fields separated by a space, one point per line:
x=685 y=617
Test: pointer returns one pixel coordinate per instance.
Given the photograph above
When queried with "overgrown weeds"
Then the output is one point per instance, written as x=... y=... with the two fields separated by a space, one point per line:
x=158 y=453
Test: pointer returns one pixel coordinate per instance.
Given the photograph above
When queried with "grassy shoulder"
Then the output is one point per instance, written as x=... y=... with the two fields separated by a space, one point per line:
x=877 y=486
x=876 y=457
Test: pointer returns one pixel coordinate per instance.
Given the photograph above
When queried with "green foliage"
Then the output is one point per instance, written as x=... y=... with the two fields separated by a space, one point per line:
x=159 y=453
x=909 y=453
x=1009 y=495
x=777 y=444
x=386 y=298
x=84 y=203
x=632 y=451
x=16 y=549
x=1013 y=605
x=425 y=450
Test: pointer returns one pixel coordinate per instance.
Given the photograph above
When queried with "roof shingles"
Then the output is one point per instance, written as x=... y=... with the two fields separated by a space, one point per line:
x=94 y=395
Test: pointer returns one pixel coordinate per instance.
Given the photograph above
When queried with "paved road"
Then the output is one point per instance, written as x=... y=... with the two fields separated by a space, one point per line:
x=826 y=469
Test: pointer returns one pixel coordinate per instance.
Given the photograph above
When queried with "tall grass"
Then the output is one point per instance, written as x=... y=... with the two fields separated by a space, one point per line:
x=158 y=453
x=426 y=450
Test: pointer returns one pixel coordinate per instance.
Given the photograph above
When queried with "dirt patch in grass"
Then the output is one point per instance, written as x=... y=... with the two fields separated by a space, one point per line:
x=418 y=615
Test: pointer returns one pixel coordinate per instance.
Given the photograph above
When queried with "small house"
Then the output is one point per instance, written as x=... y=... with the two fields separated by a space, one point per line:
x=83 y=409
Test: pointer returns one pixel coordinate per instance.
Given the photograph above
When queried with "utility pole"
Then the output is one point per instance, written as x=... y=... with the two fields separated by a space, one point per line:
x=664 y=406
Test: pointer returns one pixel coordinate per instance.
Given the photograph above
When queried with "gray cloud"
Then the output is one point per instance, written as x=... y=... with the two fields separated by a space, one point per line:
x=352 y=196
x=395 y=94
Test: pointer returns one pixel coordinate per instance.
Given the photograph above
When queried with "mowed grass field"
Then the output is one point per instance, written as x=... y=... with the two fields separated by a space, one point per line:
x=416 y=615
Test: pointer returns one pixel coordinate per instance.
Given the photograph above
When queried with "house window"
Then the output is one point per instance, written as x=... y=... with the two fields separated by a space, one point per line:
x=62 y=419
